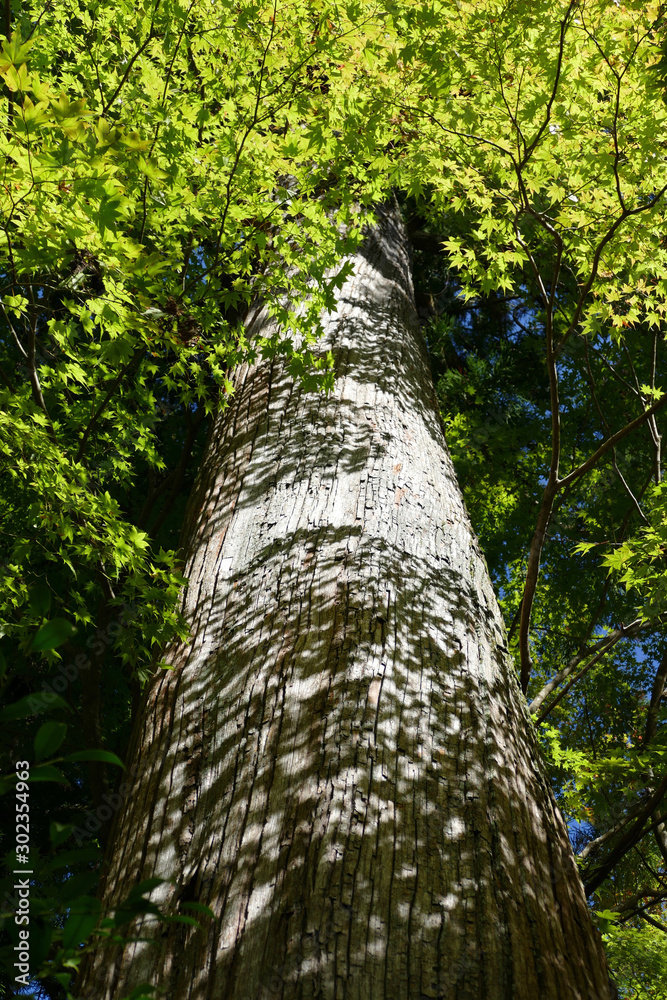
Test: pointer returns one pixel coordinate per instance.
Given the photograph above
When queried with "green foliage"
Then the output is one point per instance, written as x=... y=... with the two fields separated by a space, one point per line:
x=639 y=562
x=540 y=170
x=539 y=126
x=165 y=166
x=639 y=959
x=148 y=195
x=612 y=770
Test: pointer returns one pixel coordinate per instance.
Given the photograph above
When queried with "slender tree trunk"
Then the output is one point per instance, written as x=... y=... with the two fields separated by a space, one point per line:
x=341 y=764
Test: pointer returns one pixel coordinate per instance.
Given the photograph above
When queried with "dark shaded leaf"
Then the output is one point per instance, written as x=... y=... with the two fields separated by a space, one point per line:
x=82 y=921
x=48 y=739
x=32 y=704
x=52 y=635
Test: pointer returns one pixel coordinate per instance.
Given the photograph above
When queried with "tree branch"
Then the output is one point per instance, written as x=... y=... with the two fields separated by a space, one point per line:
x=651 y=920
x=627 y=842
x=32 y=369
x=128 y=69
x=631 y=902
x=596 y=262
x=593 y=845
x=530 y=586
x=626 y=630
x=612 y=442
x=554 y=89
x=603 y=646
x=591 y=382
x=103 y=405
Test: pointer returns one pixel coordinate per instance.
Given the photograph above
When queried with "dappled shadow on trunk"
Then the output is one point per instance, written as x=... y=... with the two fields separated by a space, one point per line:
x=340 y=764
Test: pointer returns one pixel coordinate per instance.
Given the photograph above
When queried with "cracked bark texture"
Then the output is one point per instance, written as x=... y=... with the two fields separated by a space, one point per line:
x=341 y=764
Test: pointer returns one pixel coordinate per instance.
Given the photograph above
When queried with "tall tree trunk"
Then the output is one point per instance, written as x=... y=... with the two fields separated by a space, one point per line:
x=341 y=764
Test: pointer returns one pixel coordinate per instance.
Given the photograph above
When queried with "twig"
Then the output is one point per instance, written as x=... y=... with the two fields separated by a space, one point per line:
x=551 y=489
x=32 y=368
x=632 y=837
x=593 y=845
x=554 y=90
x=626 y=630
x=603 y=646
x=631 y=901
x=591 y=382
x=612 y=441
x=653 y=426
x=103 y=405
x=130 y=64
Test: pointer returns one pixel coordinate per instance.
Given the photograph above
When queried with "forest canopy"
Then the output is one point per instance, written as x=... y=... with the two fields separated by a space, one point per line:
x=166 y=164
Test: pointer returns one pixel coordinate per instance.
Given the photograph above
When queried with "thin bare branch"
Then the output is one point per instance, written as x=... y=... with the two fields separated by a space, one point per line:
x=603 y=646
x=33 y=374
x=530 y=585
x=593 y=845
x=631 y=902
x=95 y=416
x=13 y=332
x=549 y=496
x=614 y=460
x=613 y=441
x=601 y=358
x=629 y=840
x=631 y=629
x=653 y=425
x=128 y=69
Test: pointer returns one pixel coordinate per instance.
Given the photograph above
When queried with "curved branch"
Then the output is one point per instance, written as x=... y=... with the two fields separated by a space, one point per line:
x=625 y=214
x=612 y=442
x=627 y=842
x=554 y=89
x=128 y=69
x=606 y=643
x=628 y=630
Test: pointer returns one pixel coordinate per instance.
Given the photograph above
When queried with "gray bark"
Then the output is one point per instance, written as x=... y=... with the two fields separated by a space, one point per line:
x=341 y=764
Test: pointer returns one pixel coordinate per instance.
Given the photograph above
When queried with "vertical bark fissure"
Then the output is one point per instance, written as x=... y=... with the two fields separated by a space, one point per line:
x=340 y=763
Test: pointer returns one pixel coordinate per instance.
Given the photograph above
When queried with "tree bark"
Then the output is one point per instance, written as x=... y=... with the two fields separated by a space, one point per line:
x=340 y=763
